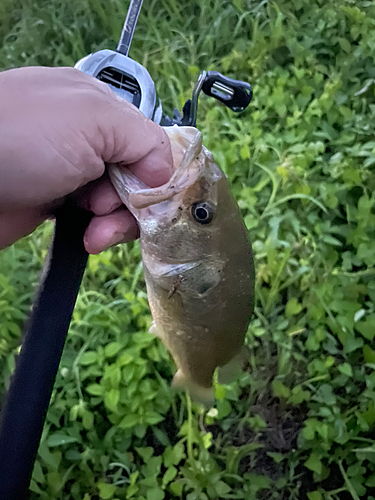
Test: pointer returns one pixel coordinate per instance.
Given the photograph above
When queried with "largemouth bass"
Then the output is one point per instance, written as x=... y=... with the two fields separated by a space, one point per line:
x=197 y=261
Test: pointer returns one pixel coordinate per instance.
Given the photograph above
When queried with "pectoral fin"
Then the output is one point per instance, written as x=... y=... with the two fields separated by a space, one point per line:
x=155 y=330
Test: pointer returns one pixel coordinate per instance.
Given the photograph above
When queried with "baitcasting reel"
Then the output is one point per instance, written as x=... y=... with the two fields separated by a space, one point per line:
x=131 y=81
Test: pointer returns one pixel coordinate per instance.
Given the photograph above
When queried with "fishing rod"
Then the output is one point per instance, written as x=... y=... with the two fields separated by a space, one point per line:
x=27 y=400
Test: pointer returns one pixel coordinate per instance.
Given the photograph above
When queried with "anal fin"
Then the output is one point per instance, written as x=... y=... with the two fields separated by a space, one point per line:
x=202 y=395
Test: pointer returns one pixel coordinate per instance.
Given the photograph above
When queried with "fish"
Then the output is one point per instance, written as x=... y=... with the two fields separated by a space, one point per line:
x=197 y=260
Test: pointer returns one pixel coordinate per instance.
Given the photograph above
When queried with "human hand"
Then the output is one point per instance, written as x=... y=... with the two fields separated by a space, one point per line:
x=58 y=128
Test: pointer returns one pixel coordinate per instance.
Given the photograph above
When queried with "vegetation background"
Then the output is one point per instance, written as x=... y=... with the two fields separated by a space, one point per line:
x=299 y=423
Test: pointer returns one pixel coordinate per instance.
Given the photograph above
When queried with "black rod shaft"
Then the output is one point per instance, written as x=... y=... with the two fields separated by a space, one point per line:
x=129 y=27
x=26 y=403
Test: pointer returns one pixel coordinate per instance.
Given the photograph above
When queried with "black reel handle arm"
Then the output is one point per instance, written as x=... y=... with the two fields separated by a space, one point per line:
x=235 y=94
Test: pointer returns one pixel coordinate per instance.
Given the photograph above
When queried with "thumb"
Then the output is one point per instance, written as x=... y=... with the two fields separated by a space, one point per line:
x=129 y=138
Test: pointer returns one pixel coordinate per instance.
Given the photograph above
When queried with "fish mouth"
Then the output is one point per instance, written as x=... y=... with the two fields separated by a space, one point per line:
x=194 y=168
x=186 y=142
x=189 y=161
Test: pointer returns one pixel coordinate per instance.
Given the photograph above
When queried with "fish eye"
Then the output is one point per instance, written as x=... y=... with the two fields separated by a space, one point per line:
x=202 y=212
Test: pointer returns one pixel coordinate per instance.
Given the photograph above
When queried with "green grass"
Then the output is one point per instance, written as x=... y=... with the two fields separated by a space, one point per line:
x=299 y=423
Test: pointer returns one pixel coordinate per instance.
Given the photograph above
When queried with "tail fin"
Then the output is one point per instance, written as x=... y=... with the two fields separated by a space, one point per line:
x=203 y=395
